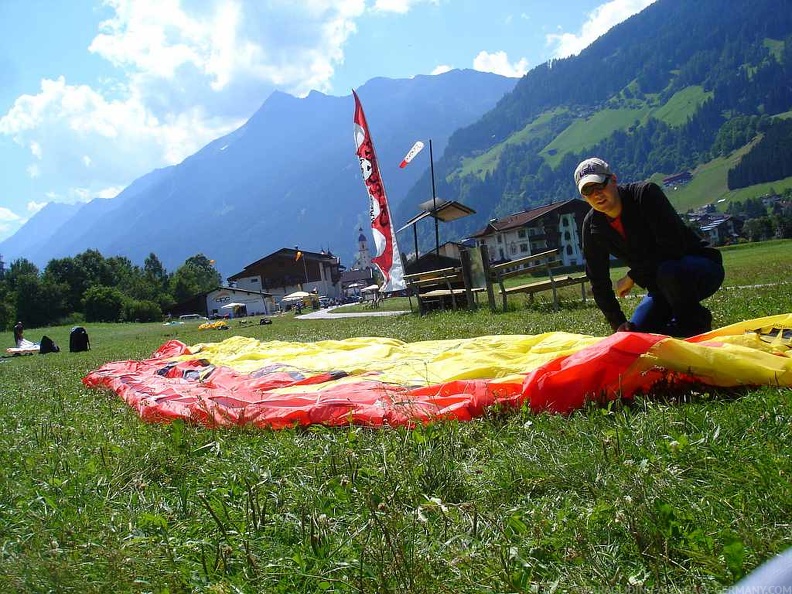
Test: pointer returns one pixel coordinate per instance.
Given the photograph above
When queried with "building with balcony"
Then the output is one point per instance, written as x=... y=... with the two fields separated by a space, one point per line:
x=553 y=226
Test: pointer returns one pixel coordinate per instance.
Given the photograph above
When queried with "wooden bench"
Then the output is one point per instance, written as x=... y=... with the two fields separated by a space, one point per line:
x=371 y=299
x=435 y=288
x=545 y=261
x=455 y=286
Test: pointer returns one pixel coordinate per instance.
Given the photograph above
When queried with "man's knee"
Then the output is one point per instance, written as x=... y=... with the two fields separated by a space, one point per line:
x=690 y=277
x=671 y=276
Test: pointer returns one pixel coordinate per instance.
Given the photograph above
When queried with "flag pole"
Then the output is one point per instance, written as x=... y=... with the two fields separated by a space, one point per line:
x=301 y=256
x=434 y=200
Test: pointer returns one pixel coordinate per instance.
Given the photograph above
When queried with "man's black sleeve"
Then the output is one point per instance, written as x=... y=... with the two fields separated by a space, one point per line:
x=667 y=229
x=598 y=272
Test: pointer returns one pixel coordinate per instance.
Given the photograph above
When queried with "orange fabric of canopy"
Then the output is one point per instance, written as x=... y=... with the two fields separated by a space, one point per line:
x=381 y=381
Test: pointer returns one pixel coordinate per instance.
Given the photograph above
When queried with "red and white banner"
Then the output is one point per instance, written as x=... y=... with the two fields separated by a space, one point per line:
x=387 y=258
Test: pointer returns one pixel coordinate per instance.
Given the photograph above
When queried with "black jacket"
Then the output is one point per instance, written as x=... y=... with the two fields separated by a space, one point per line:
x=655 y=233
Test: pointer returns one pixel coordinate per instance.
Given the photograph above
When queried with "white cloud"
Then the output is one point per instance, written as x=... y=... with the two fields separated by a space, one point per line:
x=33 y=171
x=229 y=45
x=110 y=192
x=600 y=20
x=80 y=195
x=34 y=207
x=120 y=138
x=7 y=215
x=442 y=69
x=498 y=63
x=398 y=6
x=187 y=73
x=9 y=221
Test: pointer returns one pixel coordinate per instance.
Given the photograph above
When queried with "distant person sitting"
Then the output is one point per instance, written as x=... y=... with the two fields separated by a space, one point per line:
x=637 y=224
x=19 y=338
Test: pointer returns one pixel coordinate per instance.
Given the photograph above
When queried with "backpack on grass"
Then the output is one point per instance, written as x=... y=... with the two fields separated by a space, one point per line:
x=78 y=340
x=47 y=345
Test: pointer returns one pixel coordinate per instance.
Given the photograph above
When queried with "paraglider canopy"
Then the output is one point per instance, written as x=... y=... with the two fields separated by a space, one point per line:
x=384 y=382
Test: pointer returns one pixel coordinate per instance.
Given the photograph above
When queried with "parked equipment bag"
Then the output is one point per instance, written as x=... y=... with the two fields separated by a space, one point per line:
x=47 y=345
x=78 y=340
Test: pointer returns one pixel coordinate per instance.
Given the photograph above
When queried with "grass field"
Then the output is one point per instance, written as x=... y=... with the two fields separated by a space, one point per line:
x=488 y=161
x=683 y=104
x=583 y=133
x=679 y=492
x=709 y=184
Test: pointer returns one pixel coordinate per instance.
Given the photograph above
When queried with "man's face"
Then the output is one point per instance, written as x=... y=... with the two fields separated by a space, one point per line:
x=603 y=197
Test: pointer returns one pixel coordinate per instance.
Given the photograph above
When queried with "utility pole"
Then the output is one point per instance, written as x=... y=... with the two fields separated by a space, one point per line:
x=434 y=201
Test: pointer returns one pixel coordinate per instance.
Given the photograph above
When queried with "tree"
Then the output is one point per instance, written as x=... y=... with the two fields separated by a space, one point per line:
x=207 y=275
x=750 y=208
x=155 y=272
x=157 y=280
x=67 y=271
x=123 y=271
x=184 y=284
x=782 y=223
x=19 y=268
x=758 y=229
x=37 y=302
x=142 y=311
x=197 y=275
x=97 y=270
x=103 y=304
x=6 y=310
x=130 y=279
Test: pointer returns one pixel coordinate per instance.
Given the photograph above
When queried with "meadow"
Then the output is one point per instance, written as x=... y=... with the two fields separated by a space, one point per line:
x=678 y=491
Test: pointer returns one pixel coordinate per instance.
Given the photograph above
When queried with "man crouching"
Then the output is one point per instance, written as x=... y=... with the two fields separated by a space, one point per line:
x=637 y=223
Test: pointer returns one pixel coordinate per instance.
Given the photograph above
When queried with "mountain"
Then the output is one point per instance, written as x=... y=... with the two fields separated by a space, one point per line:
x=681 y=86
x=43 y=224
x=289 y=176
x=67 y=237
x=704 y=87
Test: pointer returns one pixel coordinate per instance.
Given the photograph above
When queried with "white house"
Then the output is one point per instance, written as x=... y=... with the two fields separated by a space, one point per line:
x=556 y=225
x=239 y=302
x=289 y=270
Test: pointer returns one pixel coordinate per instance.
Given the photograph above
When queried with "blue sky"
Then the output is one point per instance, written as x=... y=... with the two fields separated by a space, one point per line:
x=95 y=93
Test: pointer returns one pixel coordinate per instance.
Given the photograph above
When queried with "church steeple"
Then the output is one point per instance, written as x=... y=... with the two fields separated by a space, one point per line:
x=363 y=258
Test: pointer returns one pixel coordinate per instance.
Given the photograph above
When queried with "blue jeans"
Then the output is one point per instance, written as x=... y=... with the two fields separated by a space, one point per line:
x=674 y=307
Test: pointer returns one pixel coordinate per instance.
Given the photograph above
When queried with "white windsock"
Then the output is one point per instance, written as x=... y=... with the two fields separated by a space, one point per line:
x=416 y=148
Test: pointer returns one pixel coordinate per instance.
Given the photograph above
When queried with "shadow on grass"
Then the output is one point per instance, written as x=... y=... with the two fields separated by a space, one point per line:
x=688 y=393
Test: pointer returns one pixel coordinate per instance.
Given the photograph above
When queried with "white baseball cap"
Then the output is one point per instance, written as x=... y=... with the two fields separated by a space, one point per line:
x=591 y=170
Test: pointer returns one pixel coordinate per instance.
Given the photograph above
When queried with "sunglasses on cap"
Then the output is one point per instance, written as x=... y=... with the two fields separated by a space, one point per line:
x=590 y=189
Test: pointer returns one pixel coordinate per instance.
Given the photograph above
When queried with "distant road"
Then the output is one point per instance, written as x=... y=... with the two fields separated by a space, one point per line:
x=327 y=314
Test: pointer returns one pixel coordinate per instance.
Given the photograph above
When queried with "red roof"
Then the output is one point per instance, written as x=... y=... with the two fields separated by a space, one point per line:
x=521 y=219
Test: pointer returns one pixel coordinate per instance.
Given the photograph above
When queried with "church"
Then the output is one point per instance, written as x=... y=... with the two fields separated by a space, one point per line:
x=362 y=272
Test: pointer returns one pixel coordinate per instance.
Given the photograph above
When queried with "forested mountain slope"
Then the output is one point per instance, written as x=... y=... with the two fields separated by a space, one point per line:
x=672 y=88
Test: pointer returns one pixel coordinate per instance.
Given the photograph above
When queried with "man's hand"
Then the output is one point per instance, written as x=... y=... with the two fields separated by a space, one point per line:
x=626 y=327
x=624 y=285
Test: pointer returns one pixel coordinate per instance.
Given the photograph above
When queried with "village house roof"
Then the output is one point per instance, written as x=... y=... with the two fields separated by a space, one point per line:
x=285 y=255
x=522 y=219
x=681 y=177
